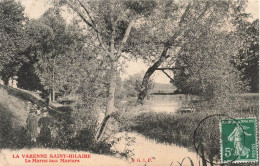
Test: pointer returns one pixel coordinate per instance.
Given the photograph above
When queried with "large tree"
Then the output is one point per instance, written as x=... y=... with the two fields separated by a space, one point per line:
x=247 y=59
x=173 y=26
x=50 y=39
x=13 y=42
x=205 y=69
x=111 y=22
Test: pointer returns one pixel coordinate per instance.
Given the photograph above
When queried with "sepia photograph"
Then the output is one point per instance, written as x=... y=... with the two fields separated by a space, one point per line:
x=129 y=82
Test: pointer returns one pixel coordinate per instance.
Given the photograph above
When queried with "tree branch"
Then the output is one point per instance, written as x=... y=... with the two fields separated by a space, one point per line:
x=83 y=6
x=112 y=41
x=185 y=13
x=168 y=75
x=179 y=30
x=126 y=35
x=101 y=43
x=94 y=27
x=80 y=15
x=89 y=24
x=167 y=68
x=204 y=11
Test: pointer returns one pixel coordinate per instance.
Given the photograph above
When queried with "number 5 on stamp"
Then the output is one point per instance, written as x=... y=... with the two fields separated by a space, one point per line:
x=238 y=140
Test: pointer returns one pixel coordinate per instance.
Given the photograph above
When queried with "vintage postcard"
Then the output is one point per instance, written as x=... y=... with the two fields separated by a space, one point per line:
x=129 y=82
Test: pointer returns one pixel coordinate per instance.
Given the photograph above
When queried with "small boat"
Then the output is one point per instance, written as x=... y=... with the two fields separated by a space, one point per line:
x=186 y=109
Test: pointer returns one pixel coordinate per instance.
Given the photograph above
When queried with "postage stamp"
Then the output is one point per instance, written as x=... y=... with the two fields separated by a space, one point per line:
x=238 y=140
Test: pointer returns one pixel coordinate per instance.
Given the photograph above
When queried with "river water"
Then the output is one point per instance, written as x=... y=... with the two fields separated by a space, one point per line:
x=159 y=153
x=168 y=103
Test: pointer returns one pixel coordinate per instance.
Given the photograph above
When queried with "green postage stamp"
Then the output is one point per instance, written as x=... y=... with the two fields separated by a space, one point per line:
x=238 y=140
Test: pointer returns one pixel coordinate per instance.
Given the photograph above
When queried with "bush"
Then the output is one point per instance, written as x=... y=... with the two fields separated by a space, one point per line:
x=132 y=85
x=85 y=140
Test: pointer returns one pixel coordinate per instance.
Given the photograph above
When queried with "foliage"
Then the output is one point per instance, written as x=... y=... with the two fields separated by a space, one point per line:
x=50 y=39
x=111 y=22
x=28 y=79
x=82 y=135
x=85 y=141
x=205 y=65
x=246 y=60
x=204 y=69
x=176 y=25
x=122 y=151
x=132 y=85
x=116 y=15
x=13 y=41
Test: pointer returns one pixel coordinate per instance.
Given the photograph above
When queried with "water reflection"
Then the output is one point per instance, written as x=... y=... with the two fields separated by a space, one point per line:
x=169 y=103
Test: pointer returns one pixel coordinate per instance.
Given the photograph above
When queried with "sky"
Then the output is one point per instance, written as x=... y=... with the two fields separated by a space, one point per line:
x=35 y=8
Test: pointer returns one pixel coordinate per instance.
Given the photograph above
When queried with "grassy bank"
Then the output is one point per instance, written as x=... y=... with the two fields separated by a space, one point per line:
x=13 y=132
x=179 y=129
x=174 y=128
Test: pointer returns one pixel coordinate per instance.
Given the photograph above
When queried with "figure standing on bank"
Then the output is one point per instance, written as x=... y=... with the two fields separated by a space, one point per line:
x=32 y=124
x=45 y=124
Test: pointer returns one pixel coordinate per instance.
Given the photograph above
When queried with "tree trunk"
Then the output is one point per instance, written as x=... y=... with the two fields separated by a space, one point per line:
x=112 y=74
x=110 y=103
x=53 y=82
x=49 y=98
x=111 y=92
x=112 y=84
x=148 y=74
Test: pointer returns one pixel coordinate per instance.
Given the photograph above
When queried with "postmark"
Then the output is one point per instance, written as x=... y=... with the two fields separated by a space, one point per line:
x=238 y=140
x=206 y=139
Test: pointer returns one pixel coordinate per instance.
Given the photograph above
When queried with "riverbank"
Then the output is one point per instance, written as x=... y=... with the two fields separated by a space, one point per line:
x=179 y=129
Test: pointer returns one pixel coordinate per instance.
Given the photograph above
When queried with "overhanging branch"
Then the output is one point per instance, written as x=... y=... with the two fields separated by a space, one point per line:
x=168 y=68
x=168 y=75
